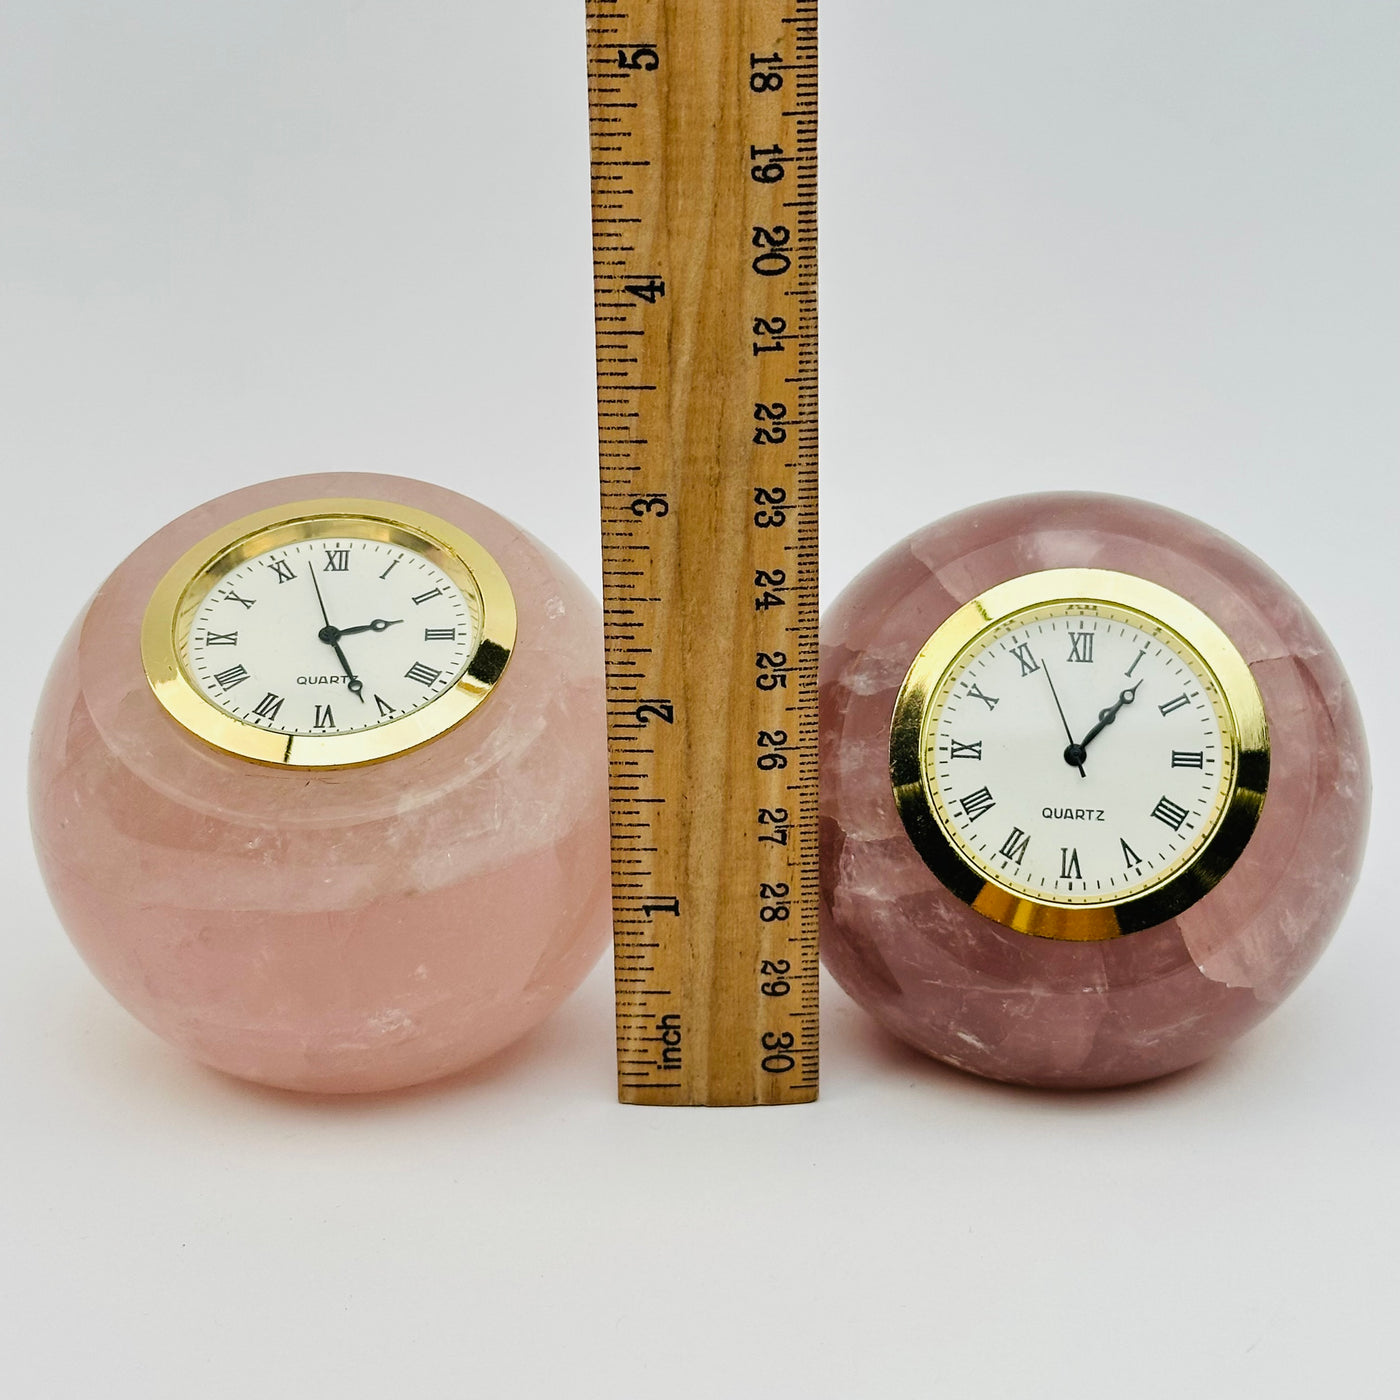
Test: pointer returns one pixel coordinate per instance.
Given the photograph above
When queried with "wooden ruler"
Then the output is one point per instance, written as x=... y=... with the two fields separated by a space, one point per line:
x=704 y=165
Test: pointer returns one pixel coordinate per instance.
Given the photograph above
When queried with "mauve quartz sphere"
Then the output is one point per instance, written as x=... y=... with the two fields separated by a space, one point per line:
x=1030 y=1010
x=335 y=930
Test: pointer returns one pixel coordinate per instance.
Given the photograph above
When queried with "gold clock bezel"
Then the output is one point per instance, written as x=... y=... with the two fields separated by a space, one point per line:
x=1086 y=590
x=188 y=581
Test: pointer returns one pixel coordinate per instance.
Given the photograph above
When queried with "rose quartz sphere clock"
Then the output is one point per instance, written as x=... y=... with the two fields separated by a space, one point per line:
x=1094 y=790
x=318 y=783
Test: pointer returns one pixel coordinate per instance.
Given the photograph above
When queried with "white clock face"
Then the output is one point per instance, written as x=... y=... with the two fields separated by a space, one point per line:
x=331 y=635
x=1078 y=755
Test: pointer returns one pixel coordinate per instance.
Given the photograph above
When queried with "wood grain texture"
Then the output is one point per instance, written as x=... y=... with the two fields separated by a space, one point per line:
x=703 y=120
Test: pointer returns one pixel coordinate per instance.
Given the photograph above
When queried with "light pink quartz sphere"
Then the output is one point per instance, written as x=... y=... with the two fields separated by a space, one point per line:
x=1032 y=1010
x=335 y=931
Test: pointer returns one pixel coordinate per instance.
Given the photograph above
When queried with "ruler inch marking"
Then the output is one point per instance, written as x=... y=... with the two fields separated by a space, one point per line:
x=708 y=500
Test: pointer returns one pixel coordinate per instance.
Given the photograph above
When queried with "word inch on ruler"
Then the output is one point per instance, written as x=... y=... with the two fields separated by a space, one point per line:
x=704 y=170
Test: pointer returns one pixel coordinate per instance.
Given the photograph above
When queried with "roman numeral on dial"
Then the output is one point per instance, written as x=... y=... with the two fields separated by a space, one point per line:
x=439 y=634
x=977 y=804
x=1167 y=811
x=1014 y=847
x=424 y=675
x=282 y=570
x=961 y=750
x=384 y=707
x=1130 y=856
x=1081 y=646
x=1171 y=706
x=221 y=639
x=1193 y=759
x=268 y=706
x=337 y=561
x=424 y=597
x=232 y=597
x=1022 y=653
x=1069 y=863
x=990 y=701
x=232 y=677
x=324 y=718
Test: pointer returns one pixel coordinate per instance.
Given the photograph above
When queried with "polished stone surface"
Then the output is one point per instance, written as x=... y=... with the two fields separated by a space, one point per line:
x=334 y=931
x=1003 y=1004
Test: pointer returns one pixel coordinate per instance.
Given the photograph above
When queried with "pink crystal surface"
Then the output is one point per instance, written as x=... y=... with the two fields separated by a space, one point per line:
x=969 y=991
x=333 y=931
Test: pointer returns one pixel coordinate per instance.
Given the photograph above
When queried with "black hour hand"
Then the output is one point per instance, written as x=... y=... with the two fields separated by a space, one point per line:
x=378 y=625
x=1106 y=717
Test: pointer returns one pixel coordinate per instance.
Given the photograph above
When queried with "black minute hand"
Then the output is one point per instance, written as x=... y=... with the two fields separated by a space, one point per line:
x=321 y=601
x=353 y=683
x=1074 y=753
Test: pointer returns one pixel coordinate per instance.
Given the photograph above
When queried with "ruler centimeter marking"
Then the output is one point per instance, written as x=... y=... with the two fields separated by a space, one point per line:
x=703 y=120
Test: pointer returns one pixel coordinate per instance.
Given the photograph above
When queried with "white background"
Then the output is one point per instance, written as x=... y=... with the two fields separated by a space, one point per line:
x=1140 y=245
